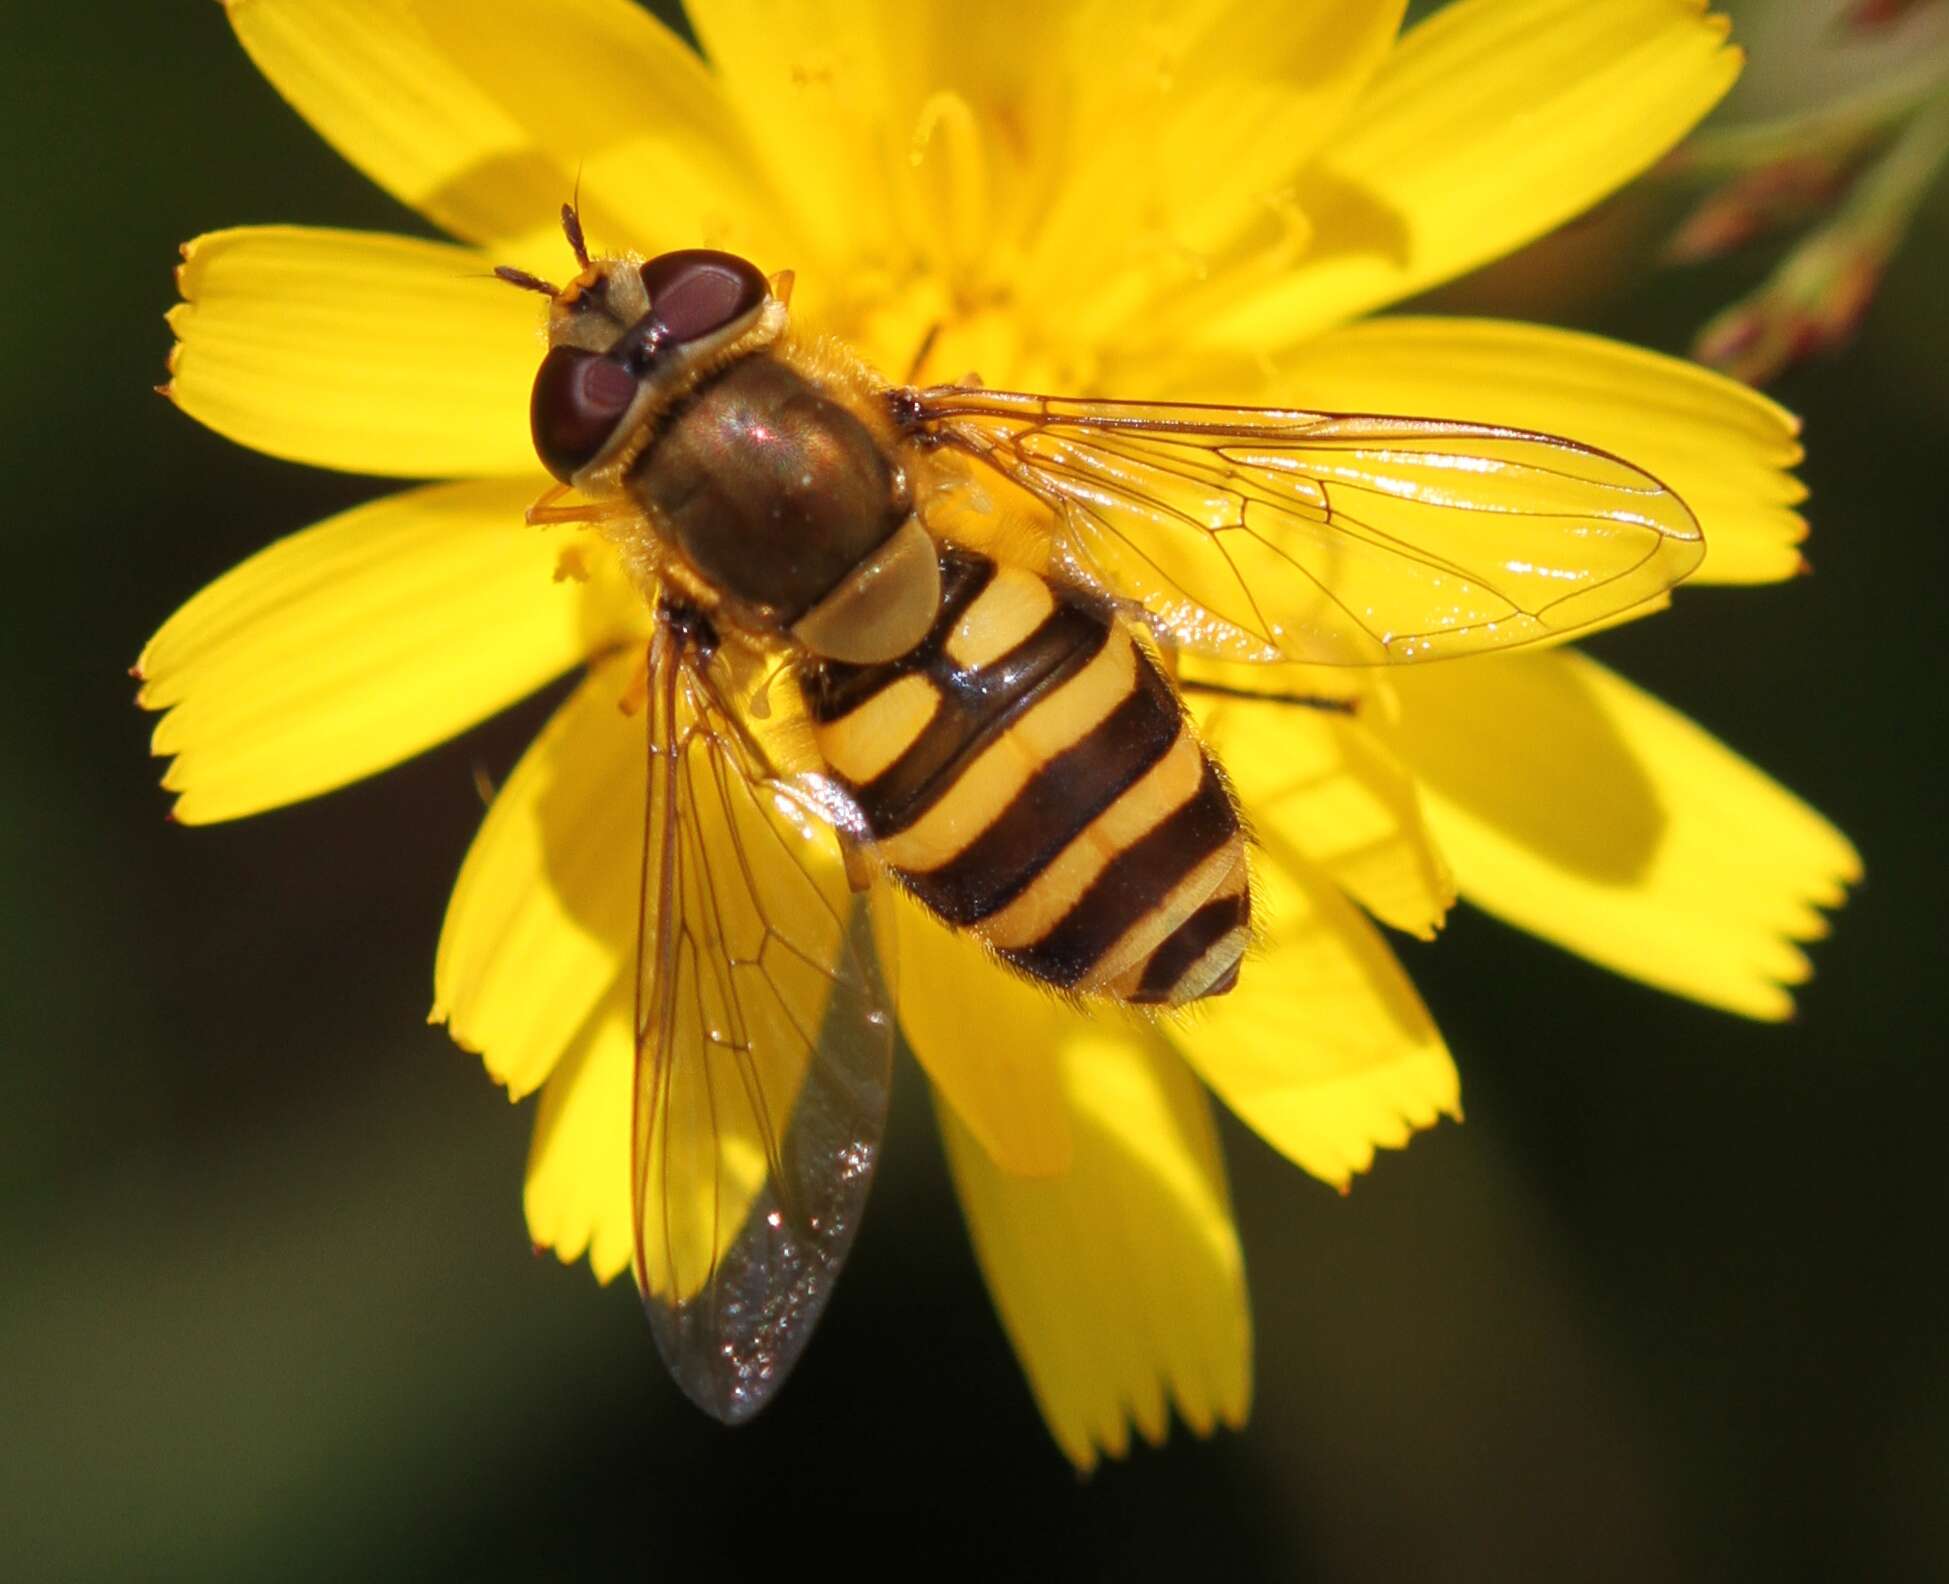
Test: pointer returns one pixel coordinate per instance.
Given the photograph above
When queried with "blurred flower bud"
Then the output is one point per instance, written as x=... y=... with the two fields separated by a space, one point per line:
x=1865 y=14
x=1842 y=125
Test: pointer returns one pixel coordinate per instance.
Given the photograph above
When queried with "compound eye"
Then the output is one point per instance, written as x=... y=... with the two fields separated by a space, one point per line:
x=699 y=291
x=579 y=399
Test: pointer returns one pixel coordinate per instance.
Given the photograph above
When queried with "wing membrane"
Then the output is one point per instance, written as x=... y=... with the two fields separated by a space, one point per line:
x=1338 y=539
x=764 y=1039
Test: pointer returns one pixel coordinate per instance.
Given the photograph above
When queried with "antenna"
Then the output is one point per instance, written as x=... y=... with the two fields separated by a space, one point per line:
x=572 y=228
x=527 y=282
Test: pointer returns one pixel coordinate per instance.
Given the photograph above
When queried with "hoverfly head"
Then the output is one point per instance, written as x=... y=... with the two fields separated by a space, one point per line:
x=625 y=335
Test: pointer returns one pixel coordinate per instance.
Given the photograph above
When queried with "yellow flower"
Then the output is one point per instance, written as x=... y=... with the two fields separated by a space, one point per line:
x=1188 y=201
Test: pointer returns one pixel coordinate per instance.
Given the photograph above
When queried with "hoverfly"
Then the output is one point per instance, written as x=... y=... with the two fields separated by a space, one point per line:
x=853 y=684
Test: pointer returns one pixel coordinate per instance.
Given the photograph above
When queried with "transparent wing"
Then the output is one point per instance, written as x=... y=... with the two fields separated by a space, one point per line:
x=1341 y=539
x=764 y=1040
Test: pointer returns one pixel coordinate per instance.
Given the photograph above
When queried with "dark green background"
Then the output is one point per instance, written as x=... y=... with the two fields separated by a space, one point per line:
x=1670 y=1305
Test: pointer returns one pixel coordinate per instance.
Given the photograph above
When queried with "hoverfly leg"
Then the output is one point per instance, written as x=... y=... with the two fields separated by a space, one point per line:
x=636 y=694
x=587 y=512
x=1347 y=704
x=923 y=352
x=545 y=513
x=859 y=873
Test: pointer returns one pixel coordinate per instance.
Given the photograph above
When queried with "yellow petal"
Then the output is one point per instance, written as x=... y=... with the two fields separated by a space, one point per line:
x=577 y=1194
x=347 y=350
x=482 y=113
x=1319 y=788
x=371 y=80
x=1492 y=121
x=1324 y=1049
x=626 y=114
x=989 y=1040
x=1581 y=809
x=361 y=641
x=544 y=913
x=1061 y=144
x=1723 y=447
x=1186 y=125
x=917 y=146
x=814 y=86
x=1121 y=1283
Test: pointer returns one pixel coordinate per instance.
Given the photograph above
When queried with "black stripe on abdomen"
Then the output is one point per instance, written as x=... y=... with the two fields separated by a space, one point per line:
x=977 y=705
x=835 y=688
x=1059 y=802
x=1182 y=948
x=1137 y=880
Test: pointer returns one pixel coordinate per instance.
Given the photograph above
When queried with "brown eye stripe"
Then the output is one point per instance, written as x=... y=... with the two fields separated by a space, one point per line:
x=579 y=398
x=696 y=291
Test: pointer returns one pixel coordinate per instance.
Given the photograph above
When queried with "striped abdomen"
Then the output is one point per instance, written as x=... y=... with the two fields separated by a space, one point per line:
x=1029 y=774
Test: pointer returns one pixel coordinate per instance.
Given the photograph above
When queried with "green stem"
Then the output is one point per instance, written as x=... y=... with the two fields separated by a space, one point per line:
x=1885 y=199
x=1837 y=129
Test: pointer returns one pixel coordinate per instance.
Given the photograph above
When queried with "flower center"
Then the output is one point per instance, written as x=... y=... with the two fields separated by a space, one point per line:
x=916 y=331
